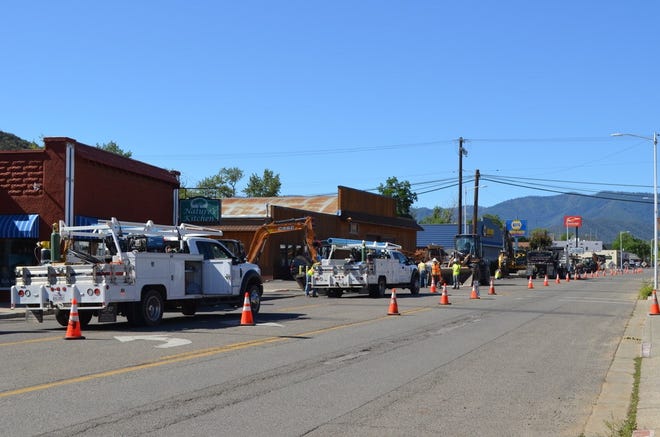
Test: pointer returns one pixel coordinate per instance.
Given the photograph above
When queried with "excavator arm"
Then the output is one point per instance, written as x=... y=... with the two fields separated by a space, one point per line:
x=265 y=231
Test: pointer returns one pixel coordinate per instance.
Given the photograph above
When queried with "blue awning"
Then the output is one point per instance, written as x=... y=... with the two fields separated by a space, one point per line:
x=19 y=226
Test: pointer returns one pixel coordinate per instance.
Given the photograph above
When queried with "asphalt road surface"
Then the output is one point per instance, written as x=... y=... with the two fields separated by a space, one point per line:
x=522 y=362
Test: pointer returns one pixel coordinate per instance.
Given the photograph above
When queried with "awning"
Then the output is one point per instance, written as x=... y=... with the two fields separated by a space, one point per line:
x=19 y=226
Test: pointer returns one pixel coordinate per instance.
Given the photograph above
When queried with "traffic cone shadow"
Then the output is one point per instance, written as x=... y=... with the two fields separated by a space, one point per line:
x=246 y=315
x=73 y=331
x=394 y=308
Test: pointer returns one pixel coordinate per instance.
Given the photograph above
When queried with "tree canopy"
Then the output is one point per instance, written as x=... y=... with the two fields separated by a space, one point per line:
x=401 y=193
x=222 y=184
x=112 y=147
x=267 y=185
x=439 y=216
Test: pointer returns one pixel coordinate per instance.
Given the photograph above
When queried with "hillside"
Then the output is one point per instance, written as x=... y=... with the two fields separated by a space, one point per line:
x=604 y=215
x=12 y=142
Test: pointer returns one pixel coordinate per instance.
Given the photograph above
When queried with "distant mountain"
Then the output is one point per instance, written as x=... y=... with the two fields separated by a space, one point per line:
x=12 y=142
x=604 y=214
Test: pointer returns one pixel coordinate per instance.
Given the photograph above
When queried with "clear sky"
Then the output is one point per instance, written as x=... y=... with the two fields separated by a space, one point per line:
x=328 y=93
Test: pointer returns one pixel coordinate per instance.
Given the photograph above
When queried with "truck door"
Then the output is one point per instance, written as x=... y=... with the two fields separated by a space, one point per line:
x=216 y=268
x=402 y=272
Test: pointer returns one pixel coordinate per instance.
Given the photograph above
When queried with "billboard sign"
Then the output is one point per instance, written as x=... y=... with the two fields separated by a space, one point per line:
x=517 y=228
x=573 y=221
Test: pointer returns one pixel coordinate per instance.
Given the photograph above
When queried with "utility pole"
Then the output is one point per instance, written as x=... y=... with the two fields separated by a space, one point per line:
x=461 y=152
x=476 y=202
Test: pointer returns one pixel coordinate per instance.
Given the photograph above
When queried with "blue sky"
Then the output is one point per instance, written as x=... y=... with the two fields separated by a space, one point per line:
x=348 y=92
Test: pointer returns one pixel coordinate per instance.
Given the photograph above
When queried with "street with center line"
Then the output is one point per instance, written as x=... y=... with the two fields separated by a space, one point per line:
x=518 y=362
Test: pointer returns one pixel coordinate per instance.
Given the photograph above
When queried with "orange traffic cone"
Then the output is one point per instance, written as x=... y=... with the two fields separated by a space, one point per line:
x=530 y=284
x=568 y=277
x=246 y=316
x=557 y=281
x=655 y=309
x=433 y=286
x=444 y=298
x=491 y=289
x=394 y=308
x=545 y=281
x=73 y=331
x=474 y=294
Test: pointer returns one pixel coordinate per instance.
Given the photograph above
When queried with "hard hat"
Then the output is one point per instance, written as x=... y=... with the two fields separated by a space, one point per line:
x=435 y=260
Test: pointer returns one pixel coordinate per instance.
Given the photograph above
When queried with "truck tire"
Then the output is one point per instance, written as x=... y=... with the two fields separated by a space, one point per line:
x=255 y=298
x=62 y=317
x=378 y=290
x=414 y=284
x=84 y=317
x=152 y=307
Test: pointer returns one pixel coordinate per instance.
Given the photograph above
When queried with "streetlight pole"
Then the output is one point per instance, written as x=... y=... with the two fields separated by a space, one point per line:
x=621 y=247
x=655 y=200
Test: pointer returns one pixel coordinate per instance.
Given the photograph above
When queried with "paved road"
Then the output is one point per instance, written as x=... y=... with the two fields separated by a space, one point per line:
x=523 y=362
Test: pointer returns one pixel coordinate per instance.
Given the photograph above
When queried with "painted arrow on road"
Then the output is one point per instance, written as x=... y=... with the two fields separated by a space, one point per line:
x=168 y=341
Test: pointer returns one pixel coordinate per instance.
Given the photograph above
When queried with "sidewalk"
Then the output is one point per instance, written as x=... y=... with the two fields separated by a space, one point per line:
x=641 y=338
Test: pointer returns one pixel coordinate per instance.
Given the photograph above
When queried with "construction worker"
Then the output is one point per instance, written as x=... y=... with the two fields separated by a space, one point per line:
x=309 y=291
x=456 y=273
x=422 y=273
x=436 y=272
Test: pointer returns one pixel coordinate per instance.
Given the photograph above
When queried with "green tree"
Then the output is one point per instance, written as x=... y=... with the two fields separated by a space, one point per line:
x=401 y=193
x=266 y=186
x=540 y=239
x=439 y=216
x=114 y=148
x=222 y=184
x=634 y=245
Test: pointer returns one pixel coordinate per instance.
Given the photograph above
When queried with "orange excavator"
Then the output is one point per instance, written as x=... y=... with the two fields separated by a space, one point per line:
x=265 y=231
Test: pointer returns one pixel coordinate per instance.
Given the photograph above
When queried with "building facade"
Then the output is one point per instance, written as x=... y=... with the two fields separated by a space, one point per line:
x=70 y=181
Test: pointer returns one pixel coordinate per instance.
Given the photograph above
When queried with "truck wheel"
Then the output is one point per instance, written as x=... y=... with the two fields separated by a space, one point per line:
x=62 y=317
x=414 y=284
x=152 y=307
x=85 y=317
x=255 y=298
x=379 y=290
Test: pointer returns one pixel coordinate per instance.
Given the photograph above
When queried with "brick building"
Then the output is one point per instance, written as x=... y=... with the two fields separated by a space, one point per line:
x=70 y=181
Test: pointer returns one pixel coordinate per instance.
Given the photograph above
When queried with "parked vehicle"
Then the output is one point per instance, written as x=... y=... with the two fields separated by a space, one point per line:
x=137 y=270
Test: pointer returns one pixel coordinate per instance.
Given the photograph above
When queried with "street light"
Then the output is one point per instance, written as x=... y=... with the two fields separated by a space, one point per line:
x=621 y=247
x=655 y=200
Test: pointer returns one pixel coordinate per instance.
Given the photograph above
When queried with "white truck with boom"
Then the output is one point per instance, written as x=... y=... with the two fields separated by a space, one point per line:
x=138 y=270
x=363 y=267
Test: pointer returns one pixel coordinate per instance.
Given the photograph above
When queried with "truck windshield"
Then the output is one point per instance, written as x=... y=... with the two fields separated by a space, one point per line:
x=465 y=245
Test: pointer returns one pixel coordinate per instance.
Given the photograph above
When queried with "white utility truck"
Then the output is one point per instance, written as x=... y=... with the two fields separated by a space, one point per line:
x=138 y=270
x=363 y=267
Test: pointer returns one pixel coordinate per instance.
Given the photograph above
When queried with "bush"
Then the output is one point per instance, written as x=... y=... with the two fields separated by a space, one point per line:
x=646 y=290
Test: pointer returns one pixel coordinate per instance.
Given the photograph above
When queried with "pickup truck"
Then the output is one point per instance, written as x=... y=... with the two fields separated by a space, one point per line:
x=363 y=267
x=136 y=270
